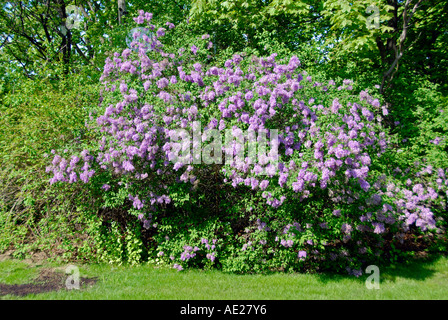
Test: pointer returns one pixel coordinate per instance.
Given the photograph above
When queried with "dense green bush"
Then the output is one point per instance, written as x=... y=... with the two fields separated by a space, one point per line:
x=37 y=116
x=421 y=115
x=338 y=199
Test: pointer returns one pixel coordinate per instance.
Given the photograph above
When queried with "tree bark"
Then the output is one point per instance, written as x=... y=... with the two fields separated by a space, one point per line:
x=398 y=46
x=66 y=43
x=121 y=10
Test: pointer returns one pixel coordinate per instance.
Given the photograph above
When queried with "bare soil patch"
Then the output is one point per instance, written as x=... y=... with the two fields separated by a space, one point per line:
x=48 y=280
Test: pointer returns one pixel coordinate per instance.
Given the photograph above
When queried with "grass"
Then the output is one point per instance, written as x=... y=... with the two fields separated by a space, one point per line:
x=16 y=272
x=422 y=280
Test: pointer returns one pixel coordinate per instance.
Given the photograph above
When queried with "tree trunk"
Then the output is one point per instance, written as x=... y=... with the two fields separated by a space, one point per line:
x=66 y=44
x=121 y=10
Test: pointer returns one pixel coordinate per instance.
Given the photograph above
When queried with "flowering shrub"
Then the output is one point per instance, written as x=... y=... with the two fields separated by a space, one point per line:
x=322 y=196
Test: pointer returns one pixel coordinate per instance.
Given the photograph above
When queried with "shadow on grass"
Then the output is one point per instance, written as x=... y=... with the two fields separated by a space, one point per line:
x=418 y=269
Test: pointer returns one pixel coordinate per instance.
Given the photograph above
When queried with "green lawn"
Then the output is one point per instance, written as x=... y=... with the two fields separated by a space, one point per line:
x=417 y=280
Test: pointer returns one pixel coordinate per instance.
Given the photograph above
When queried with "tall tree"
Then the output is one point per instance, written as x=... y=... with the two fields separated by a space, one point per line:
x=292 y=21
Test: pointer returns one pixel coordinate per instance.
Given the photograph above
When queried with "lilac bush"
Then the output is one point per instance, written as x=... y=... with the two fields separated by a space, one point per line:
x=326 y=199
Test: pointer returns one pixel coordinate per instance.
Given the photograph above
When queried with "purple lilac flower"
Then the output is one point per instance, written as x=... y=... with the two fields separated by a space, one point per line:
x=127 y=165
x=264 y=184
x=146 y=224
x=211 y=256
x=346 y=228
x=73 y=177
x=379 y=227
x=178 y=267
x=162 y=83
x=357 y=273
x=160 y=32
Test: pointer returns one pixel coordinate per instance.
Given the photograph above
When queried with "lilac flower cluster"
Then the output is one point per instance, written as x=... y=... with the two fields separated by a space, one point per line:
x=178 y=267
x=312 y=156
x=189 y=252
x=135 y=134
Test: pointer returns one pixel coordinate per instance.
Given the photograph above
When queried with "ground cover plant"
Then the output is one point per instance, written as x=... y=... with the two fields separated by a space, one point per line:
x=329 y=194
